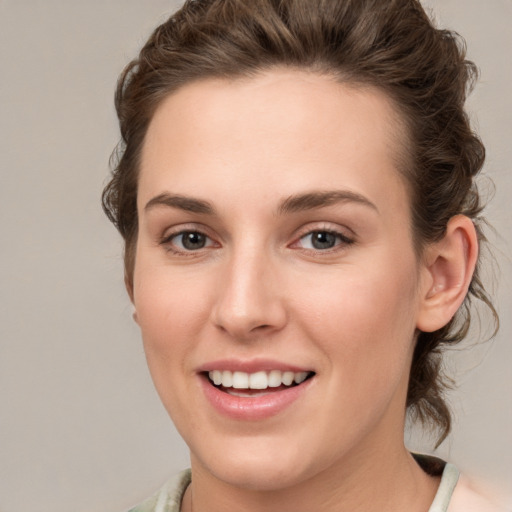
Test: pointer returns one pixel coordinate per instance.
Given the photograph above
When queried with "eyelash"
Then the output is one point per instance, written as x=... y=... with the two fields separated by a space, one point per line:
x=169 y=246
x=341 y=241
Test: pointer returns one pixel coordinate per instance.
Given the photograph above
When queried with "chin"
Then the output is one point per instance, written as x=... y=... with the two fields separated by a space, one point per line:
x=261 y=475
x=259 y=464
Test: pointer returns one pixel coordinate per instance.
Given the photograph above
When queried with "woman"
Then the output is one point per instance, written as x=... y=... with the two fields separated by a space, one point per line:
x=295 y=187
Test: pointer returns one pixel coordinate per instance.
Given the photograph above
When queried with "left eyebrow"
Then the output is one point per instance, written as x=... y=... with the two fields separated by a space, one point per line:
x=321 y=199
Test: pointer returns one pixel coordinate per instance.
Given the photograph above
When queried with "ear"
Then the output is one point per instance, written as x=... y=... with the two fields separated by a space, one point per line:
x=447 y=272
x=128 y=283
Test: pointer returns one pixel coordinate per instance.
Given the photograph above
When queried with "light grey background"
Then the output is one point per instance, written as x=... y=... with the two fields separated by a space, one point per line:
x=81 y=428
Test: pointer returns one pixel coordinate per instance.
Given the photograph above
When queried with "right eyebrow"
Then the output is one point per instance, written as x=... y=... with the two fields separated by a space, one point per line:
x=188 y=204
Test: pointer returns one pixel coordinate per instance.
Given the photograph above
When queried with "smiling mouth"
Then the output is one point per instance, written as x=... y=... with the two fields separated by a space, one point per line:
x=244 y=384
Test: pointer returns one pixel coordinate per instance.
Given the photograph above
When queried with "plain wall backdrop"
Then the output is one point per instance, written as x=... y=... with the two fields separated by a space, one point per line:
x=81 y=427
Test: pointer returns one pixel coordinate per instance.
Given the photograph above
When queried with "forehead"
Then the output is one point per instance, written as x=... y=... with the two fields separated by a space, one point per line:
x=282 y=127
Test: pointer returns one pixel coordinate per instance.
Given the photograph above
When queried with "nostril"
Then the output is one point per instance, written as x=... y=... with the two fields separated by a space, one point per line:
x=261 y=327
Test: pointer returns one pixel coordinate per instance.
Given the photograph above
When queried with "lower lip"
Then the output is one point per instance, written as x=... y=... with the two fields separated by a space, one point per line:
x=252 y=408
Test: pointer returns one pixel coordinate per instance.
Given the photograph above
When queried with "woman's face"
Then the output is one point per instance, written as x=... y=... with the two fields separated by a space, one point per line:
x=275 y=244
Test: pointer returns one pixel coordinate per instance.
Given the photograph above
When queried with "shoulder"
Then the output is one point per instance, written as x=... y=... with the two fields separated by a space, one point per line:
x=456 y=492
x=168 y=498
x=466 y=498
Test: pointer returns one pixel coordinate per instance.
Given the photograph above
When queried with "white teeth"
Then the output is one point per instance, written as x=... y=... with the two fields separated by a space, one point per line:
x=240 y=380
x=227 y=379
x=216 y=377
x=257 y=380
x=300 y=377
x=288 y=378
x=274 y=379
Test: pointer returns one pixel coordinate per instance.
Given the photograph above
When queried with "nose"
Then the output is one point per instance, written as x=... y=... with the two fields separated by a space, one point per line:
x=250 y=298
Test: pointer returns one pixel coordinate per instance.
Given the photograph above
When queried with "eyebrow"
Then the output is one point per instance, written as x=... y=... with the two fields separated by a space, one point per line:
x=188 y=204
x=292 y=204
x=320 y=199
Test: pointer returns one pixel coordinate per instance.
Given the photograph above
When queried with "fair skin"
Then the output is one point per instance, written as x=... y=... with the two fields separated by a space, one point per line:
x=275 y=234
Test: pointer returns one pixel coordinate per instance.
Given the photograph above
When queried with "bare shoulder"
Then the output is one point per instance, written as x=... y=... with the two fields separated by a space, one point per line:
x=467 y=498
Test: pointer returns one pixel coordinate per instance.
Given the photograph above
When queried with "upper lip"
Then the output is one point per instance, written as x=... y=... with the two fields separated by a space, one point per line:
x=251 y=366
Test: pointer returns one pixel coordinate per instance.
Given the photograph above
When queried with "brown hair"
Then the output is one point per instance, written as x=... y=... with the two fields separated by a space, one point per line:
x=389 y=44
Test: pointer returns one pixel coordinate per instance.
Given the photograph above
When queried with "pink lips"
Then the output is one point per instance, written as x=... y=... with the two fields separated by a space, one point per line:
x=269 y=403
x=253 y=366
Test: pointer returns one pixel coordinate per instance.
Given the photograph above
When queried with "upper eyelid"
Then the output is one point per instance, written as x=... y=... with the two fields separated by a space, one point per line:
x=165 y=242
x=332 y=232
x=173 y=231
x=175 y=234
x=325 y=226
x=344 y=240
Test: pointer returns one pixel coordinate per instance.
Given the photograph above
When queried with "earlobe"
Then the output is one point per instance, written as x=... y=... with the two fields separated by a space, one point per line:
x=447 y=270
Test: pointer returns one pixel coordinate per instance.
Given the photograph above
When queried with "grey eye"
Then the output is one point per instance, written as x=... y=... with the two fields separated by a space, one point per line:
x=190 y=240
x=319 y=240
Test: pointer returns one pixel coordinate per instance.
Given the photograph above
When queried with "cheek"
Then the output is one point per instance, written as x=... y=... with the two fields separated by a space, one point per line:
x=366 y=332
x=365 y=323
x=165 y=298
x=171 y=311
x=170 y=316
